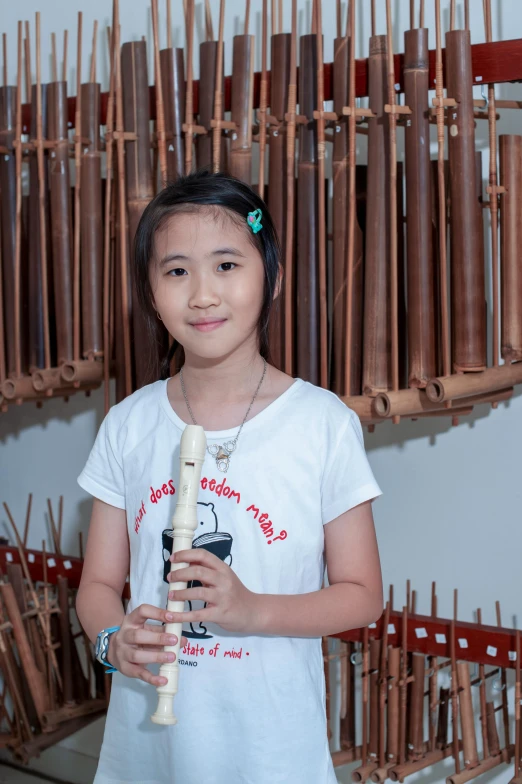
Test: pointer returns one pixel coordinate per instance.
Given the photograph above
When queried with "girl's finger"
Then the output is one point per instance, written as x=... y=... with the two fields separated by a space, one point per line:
x=145 y=675
x=145 y=637
x=144 y=656
x=201 y=573
x=148 y=612
x=194 y=594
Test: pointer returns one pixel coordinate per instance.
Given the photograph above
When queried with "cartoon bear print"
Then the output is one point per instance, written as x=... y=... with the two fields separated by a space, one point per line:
x=209 y=538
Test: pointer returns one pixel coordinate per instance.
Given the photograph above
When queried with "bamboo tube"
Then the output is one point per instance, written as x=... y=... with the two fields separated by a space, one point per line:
x=503 y=680
x=443 y=293
x=472 y=773
x=189 y=111
x=353 y=305
x=416 y=709
x=401 y=772
x=277 y=177
x=290 y=205
x=375 y=655
x=466 y=716
x=208 y=53
x=377 y=286
x=91 y=220
x=326 y=666
x=409 y=402
x=347 y=726
x=483 y=708
x=61 y=219
x=394 y=284
x=263 y=105
x=518 y=699
x=308 y=317
x=160 y=118
x=17 y=325
x=35 y=680
x=66 y=640
x=511 y=238
x=138 y=176
x=242 y=97
x=454 y=688
x=383 y=688
x=468 y=282
x=107 y=266
x=420 y=264
x=173 y=86
x=442 y=725
x=493 y=190
x=491 y=730
x=440 y=390
x=321 y=216
x=218 y=97
x=122 y=210
x=403 y=684
x=77 y=189
x=394 y=663
x=9 y=222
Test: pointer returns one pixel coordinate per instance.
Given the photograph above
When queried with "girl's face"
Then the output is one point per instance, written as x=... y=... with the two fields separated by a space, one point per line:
x=207 y=281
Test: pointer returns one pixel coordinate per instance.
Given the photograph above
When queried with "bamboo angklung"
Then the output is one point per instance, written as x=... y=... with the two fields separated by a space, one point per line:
x=277 y=175
x=319 y=115
x=91 y=221
x=467 y=261
x=61 y=218
x=289 y=285
x=138 y=180
x=8 y=99
x=511 y=240
x=420 y=266
x=173 y=86
x=240 y=164
x=307 y=271
x=377 y=291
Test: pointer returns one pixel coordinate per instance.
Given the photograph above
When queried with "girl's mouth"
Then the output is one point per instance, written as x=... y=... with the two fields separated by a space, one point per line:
x=208 y=326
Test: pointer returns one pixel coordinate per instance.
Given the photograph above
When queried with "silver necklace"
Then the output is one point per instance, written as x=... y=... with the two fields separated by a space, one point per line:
x=222 y=452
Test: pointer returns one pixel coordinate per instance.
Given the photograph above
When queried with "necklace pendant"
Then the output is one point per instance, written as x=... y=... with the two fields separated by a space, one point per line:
x=223 y=463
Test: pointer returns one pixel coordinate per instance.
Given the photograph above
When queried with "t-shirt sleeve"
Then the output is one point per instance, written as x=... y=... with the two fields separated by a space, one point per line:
x=347 y=477
x=103 y=476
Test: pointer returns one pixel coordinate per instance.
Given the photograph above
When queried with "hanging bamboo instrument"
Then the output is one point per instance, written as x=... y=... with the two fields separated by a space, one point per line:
x=420 y=266
x=467 y=261
x=277 y=176
x=242 y=97
x=91 y=220
x=61 y=218
x=138 y=176
x=289 y=286
x=511 y=239
x=307 y=268
x=173 y=85
x=377 y=291
x=8 y=100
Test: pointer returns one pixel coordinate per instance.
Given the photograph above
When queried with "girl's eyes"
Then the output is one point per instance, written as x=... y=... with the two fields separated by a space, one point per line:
x=178 y=272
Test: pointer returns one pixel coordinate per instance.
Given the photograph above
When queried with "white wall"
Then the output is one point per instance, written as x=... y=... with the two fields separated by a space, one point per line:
x=452 y=495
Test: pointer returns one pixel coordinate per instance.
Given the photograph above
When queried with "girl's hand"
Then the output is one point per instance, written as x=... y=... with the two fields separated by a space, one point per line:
x=138 y=643
x=229 y=603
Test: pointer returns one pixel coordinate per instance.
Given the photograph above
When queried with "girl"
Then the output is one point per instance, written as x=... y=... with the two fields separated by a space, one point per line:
x=286 y=489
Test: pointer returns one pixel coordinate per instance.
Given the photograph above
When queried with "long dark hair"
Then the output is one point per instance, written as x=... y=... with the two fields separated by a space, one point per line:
x=187 y=194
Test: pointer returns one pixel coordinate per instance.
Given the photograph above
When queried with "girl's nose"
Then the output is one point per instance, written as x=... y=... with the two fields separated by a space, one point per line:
x=203 y=294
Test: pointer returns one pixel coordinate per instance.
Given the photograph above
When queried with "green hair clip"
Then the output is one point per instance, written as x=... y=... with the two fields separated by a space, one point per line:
x=254 y=220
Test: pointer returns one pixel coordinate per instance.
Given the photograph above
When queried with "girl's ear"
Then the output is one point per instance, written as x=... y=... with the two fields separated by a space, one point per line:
x=279 y=281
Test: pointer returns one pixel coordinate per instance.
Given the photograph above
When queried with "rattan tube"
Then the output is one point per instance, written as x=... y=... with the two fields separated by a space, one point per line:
x=173 y=86
x=242 y=99
x=510 y=147
x=377 y=324
x=420 y=267
x=467 y=258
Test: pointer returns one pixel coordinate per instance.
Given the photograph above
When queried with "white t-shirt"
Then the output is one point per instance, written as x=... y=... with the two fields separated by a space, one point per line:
x=250 y=709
